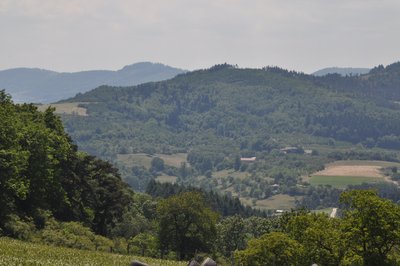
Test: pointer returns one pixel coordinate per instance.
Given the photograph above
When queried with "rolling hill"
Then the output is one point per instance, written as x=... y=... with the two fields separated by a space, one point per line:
x=217 y=115
x=44 y=86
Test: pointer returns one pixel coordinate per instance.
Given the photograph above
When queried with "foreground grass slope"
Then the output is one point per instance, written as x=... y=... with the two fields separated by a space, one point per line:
x=14 y=252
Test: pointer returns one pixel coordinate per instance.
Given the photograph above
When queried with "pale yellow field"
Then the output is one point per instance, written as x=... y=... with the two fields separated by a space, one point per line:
x=65 y=108
x=355 y=168
x=351 y=170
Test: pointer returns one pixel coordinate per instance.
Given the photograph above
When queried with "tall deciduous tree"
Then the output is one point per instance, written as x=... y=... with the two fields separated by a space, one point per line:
x=271 y=249
x=372 y=225
x=231 y=235
x=186 y=224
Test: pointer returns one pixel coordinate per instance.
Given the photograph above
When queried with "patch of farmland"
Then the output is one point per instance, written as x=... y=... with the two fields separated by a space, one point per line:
x=342 y=181
x=65 y=108
x=353 y=172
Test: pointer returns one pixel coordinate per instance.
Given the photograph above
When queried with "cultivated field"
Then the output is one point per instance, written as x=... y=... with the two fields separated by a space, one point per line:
x=351 y=170
x=65 y=108
x=340 y=174
x=13 y=252
x=342 y=181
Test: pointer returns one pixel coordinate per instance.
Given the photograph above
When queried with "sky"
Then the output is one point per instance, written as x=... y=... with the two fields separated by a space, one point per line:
x=301 y=35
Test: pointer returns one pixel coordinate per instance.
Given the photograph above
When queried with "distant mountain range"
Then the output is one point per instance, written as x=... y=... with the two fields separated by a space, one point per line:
x=45 y=86
x=343 y=71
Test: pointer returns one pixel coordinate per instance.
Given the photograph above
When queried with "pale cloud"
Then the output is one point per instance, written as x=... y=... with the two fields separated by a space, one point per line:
x=296 y=34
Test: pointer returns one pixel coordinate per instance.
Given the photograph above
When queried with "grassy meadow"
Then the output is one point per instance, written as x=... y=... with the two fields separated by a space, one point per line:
x=276 y=202
x=14 y=252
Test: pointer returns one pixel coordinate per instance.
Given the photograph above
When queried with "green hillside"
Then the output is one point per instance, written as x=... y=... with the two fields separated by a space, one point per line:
x=56 y=196
x=234 y=108
x=218 y=115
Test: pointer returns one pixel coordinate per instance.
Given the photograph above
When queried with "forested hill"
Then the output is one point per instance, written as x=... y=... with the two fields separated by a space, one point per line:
x=237 y=108
x=44 y=86
x=381 y=84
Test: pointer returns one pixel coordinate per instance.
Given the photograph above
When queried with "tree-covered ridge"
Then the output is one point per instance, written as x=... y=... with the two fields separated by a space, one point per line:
x=228 y=104
x=224 y=205
x=380 y=84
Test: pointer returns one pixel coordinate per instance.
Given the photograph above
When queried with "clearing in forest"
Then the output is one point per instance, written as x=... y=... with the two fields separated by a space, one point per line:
x=65 y=108
x=276 y=202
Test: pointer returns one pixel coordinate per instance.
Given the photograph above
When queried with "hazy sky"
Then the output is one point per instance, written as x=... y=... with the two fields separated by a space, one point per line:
x=304 y=35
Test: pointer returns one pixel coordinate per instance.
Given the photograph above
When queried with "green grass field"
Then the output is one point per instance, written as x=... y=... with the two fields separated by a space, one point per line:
x=14 y=252
x=342 y=181
x=276 y=202
x=166 y=179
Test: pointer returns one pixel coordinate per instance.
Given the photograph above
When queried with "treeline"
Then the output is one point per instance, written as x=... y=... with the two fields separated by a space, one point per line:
x=223 y=204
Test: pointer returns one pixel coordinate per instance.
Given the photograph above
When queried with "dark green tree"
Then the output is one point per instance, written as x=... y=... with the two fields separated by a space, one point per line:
x=371 y=226
x=186 y=224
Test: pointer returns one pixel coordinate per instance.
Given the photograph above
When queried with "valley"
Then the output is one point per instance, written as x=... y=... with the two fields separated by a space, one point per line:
x=200 y=124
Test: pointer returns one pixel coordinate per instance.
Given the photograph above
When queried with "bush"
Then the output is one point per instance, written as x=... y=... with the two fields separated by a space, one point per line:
x=73 y=235
x=17 y=228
